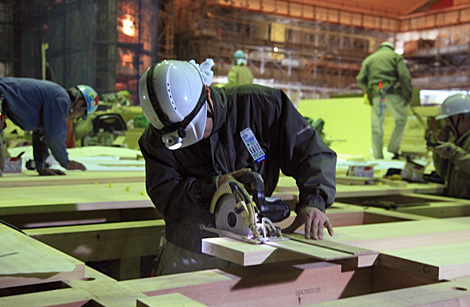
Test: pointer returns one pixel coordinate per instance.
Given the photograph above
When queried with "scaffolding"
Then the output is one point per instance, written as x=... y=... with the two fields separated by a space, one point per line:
x=9 y=32
x=307 y=58
x=311 y=49
x=105 y=44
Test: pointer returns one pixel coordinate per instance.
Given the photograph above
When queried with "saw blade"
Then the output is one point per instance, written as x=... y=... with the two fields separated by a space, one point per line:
x=227 y=219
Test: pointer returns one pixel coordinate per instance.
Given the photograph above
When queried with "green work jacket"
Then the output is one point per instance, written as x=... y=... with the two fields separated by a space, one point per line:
x=239 y=75
x=385 y=65
x=457 y=168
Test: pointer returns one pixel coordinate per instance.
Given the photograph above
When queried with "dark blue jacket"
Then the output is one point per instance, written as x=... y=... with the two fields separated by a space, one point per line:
x=36 y=105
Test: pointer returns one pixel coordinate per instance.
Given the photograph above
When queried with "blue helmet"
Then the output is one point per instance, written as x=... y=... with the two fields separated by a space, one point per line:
x=90 y=96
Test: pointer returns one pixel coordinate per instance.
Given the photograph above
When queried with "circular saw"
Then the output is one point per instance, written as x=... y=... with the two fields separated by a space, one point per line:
x=239 y=215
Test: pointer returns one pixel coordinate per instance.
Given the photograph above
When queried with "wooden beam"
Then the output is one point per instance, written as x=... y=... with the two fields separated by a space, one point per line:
x=60 y=297
x=453 y=293
x=103 y=241
x=172 y=299
x=72 y=178
x=268 y=285
x=26 y=261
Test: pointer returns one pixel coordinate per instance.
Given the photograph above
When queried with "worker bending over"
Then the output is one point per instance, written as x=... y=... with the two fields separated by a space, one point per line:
x=194 y=145
x=43 y=107
x=452 y=149
x=386 y=79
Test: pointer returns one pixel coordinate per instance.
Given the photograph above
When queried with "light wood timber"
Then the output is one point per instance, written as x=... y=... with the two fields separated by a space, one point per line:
x=422 y=247
x=56 y=219
x=452 y=293
x=103 y=241
x=72 y=195
x=106 y=291
x=169 y=300
x=274 y=284
x=237 y=251
x=59 y=297
x=26 y=265
x=287 y=184
x=247 y=254
x=32 y=179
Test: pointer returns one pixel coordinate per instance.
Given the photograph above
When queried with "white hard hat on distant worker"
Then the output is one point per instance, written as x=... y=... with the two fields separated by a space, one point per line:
x=173 y=98
x=454 y=105
x=239 y=58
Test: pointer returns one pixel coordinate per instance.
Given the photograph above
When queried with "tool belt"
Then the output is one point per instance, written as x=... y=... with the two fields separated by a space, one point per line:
x=383 y=88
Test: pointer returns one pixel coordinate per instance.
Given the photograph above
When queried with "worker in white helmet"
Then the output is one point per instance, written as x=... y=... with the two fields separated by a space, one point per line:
x=451 y=146
x=194 y=143
x=386 y=79
x=239 y=73
x=43 y=107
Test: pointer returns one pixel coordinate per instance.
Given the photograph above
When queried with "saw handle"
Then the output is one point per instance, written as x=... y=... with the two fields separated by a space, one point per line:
x=274 y=209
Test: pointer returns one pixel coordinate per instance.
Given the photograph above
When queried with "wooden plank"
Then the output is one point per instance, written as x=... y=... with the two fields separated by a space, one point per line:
x=23 y=261
x=421 y=247
x=353 y=250
x=73 y=198
x=60 y=297
x=454 y=293
x=315 y=252
x=170 y=300
x=103 y=241
x=105 y=290
x=30 y=179
x=268 y=285
x=287 y=184
x=241 y=253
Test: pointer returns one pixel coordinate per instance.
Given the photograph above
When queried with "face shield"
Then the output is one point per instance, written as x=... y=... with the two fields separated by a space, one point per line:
x=193 y=133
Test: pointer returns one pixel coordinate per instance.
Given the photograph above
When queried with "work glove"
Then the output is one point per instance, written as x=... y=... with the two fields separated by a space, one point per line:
x=205 y=68
x=220 y=180
x=446 y=150
x=314 y=220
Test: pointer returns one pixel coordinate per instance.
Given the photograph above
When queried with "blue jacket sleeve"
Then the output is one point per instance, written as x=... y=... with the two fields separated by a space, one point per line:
x=54 y=116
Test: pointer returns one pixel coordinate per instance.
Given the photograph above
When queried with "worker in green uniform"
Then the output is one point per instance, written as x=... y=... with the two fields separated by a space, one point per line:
x=195 y=142
x=452 y=146
x=239 y=74
x=386 y=79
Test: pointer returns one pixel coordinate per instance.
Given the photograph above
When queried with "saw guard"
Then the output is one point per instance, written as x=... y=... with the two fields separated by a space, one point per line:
x=232 y=188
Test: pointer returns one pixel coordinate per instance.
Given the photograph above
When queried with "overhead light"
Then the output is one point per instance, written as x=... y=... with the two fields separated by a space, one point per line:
x=128 y=26
x=276 y=49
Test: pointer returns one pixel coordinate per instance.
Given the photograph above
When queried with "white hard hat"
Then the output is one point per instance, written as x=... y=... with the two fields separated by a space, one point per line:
x=173 y=98
x=453 y=105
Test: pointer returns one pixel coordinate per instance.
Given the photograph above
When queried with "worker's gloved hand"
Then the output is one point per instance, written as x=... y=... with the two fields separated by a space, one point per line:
x=43 y=171
x=442 y=135
x=446 y=150
x=314 y=220
x=76 y=165
x=220 y=180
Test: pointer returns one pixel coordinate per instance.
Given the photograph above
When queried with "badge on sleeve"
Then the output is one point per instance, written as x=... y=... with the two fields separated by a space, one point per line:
x=252 y=145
